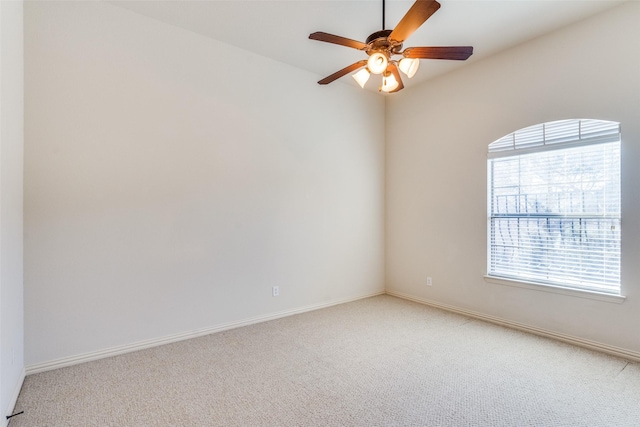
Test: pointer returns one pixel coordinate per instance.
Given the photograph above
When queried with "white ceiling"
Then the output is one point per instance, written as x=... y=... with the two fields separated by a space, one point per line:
x=279 y=29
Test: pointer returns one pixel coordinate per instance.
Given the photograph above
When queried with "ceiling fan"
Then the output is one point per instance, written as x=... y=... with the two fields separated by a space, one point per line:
x=382 y=45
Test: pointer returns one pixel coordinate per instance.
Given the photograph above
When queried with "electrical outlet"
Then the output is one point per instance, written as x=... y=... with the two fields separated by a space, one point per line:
x=275 y=291
x=429 y=282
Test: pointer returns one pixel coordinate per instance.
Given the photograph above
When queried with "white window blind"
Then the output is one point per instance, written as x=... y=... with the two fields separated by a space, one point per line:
x=554 y=205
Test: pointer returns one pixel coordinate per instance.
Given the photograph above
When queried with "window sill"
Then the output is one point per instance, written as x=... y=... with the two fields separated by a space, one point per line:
x=618 y=299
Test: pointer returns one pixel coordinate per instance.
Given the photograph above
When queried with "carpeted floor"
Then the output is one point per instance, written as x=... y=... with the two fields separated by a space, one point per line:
x=381 y=361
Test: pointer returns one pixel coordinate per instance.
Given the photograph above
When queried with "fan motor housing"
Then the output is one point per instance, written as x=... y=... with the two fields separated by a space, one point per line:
x=382 y=34
x=379 y=41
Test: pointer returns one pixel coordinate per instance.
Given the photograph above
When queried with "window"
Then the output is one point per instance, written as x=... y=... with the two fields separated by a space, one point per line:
x=554 y=205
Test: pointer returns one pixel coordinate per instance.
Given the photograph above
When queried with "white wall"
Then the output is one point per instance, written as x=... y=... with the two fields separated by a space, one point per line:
x=11 y=169
x=437 y=137
x=171 y=181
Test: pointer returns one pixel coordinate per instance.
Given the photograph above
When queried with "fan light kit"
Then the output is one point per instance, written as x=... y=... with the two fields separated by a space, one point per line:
x=382 y=45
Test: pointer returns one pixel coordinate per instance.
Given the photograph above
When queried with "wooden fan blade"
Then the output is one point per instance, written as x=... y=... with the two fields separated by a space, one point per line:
x=392 y=68
x=345 y=70
x=459 y=53
x=415 y=16
x=343 y=41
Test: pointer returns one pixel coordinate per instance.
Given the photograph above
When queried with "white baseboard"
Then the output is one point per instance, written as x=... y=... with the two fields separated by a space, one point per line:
x=592 y=345
x=12 y=401
x=141 y=345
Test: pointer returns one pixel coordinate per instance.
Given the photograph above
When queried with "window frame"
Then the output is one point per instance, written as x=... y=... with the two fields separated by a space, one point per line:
x=536 y=141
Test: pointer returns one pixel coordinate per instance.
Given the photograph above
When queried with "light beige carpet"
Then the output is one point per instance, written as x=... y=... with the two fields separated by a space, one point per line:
x=381 y=361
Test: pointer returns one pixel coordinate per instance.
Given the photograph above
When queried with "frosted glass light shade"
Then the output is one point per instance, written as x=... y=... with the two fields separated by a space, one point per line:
x=409 y=66
x=377 y=63
x=361 y=77
x=389 y=83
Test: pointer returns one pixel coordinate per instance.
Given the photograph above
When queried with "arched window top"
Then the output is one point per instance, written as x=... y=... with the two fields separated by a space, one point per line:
x=552 y=135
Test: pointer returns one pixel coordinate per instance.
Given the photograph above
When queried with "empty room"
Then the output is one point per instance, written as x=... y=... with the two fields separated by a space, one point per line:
x=320 y=213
